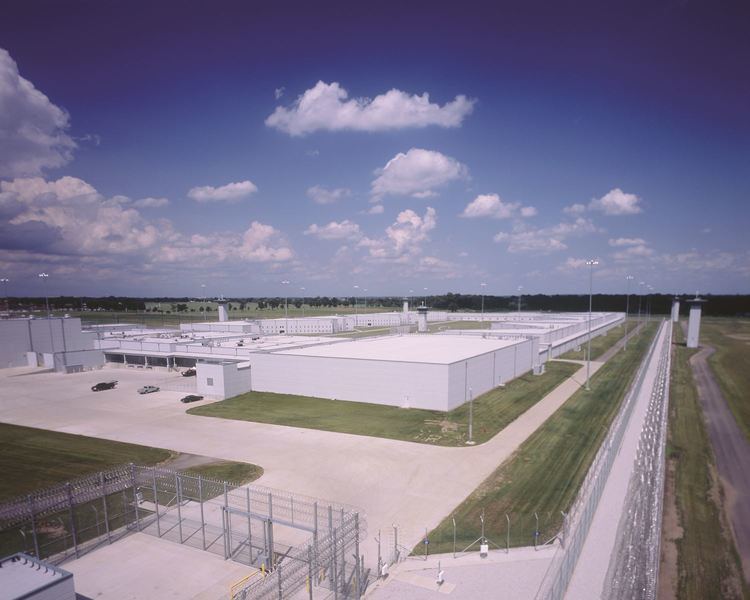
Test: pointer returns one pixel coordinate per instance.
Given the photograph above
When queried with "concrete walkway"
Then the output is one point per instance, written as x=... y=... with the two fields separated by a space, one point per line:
x=588 y=578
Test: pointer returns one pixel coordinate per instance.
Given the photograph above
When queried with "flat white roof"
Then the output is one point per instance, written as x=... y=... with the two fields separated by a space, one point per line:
x=424 y=348
x=22 y=575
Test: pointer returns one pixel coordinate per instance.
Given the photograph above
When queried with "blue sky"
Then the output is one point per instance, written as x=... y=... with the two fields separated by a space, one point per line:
x=150 y=150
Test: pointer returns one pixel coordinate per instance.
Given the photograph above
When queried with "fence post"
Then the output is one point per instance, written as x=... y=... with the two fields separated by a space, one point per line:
x=249 y=530
x=281 y=593
x=178 y=489
x=395 y=543
x=104 y=502
x=454 y=536
x=507 y=539
x=33 y=525
x=135 y=497
x=334 y=570
x=356 y=551
x=72 y=518
x=156 y=503
x=315 y=534
x=203 y=520
x=227 y=524
x=310 y=571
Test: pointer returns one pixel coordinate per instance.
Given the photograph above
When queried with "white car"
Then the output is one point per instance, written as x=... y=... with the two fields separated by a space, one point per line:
x=148 y=389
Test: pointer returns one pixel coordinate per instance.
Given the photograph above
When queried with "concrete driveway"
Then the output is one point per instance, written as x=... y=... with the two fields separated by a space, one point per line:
x=412 y=485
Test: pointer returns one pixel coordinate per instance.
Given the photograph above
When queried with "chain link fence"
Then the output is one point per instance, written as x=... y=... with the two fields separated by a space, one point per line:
x=576 y=523
x=292 y=540
x=634 y=566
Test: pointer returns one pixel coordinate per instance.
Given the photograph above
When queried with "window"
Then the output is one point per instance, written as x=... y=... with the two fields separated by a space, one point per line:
x=210 y=381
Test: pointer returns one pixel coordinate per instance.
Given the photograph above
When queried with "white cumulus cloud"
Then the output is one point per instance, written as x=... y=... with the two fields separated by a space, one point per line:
x=231 y=192
x=417 y=173
x=32 y=129
x=616 y=202
x=327 y=106
x=151 y=202
x=491 y=205
x=544 y=240
x=322 y=195
x=404 y=237
x=335 y=230
x=620 y=242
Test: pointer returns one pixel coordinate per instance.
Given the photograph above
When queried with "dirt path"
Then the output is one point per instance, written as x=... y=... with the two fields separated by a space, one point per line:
x=732 y=452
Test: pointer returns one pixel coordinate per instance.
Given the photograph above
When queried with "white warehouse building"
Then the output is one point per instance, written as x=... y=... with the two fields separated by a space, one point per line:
x=410 y=371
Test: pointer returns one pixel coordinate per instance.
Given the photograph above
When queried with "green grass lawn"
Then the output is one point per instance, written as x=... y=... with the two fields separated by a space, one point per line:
x=731 y=363
x=492 y=411
x=707 y=561
x=32 y=459
x=600 y=344
x=544 y=474
x=226 y=470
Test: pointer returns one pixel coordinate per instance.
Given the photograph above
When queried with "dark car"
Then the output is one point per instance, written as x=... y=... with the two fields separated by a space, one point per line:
x=189 y=372
x=191 y=398
x=104 y=385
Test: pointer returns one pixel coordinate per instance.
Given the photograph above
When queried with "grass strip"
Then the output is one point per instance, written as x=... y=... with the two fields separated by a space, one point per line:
x=707 y=561
x=599 y=344
x=227 y=470
x=492 y=412
x=731 y=364
x=544 y=474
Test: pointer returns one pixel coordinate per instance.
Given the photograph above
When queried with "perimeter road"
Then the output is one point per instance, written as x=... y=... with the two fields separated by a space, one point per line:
x=732 y=452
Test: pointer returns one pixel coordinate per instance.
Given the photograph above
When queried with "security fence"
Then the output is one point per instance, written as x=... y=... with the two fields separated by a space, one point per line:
x=634 y=566
x=576 y=523
x=292 y=540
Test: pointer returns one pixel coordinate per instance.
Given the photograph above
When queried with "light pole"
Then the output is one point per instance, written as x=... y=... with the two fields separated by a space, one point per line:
x=470 y=441
x=43 y=277
x=482 y=285
x=411 y=299
x=5 y=281
x=648 y=303
x=285 y=283
x=203 y=291
x=520 y=287
x=628 y=279
x=303 y=301
x=591 y=264
x=640 y=298
x=365 y=291
x=356 y=302
x=425 y=297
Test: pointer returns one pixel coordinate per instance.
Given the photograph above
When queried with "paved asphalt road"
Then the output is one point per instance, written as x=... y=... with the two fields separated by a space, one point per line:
x=732 y=452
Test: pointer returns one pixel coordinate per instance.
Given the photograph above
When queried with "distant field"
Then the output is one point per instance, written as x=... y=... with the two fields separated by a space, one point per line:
x=707 y=561
x=492 y=412
x=544 y=474
x=731 y=363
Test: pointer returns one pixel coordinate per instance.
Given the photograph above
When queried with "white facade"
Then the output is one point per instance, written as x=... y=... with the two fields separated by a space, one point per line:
x=223 y=379
x=50 y=342
x=411 y=371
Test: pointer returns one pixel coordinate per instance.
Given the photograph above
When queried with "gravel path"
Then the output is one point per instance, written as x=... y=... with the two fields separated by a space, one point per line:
x=732 y=452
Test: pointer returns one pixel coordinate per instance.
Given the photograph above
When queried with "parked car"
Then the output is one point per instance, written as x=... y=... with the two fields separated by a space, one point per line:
x=189 y=372
x=148 y=389
x=104 y=385
x=191 y=398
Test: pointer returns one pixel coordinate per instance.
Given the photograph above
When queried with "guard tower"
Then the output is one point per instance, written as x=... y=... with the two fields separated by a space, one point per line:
x=675 y=310
x=406 y=305
x=223 y=315
x=694 y=322
x=422 y=319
